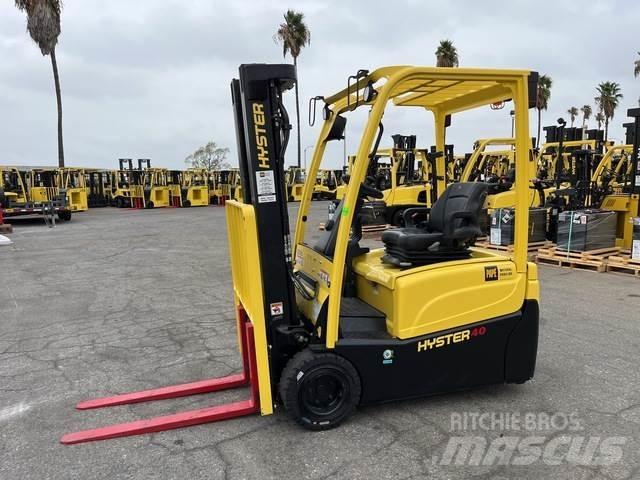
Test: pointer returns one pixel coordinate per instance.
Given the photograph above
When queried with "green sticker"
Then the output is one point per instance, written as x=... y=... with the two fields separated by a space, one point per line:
x=345 y=211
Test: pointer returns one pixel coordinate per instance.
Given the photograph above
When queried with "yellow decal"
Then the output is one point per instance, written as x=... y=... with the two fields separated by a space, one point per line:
x=442 y=340
x=261 y=137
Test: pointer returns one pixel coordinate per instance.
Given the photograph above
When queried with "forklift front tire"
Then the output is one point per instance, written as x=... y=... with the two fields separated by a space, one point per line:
x=186 y=204
x=319 y=390
x=65 y=215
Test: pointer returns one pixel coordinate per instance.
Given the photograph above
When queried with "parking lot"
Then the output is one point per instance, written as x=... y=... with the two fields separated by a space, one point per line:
x=120 y=300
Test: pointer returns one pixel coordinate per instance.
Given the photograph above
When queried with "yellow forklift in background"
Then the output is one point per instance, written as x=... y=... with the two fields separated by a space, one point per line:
x=235 y=185
x=327 y=182
x=151 y=183
x=175 y=179
x=294 y=180
x=98 y=187
x=73 y=182
x=219 y=186
x=15 y=197
x=194 y=188
x=12 y=184
x=123 y=182
x=42 y=184
x=331 y=325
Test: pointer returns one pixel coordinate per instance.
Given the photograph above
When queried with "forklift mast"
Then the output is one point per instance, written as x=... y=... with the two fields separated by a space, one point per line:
x=142 y=162
x=262 y=128
x=635 y=164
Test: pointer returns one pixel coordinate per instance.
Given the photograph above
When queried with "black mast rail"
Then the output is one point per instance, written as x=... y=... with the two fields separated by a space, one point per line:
x=262 y=130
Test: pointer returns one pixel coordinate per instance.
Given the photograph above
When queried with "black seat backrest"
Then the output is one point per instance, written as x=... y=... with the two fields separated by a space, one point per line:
x=326 y=244
x=458 y=198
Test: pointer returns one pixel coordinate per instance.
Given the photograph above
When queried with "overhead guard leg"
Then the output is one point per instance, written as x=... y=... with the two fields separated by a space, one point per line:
x=182 y=419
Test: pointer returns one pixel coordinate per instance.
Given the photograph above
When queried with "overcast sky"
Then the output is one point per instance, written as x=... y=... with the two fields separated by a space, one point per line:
x=150 y=78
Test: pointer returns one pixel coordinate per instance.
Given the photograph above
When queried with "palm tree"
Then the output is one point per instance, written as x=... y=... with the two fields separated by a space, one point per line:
x=586 y=114
x=294 y=35
x=573 y=113
x=599 y=118
x=43 y=24
x=446 y=54
x=608 y=98
x=636 y=67
x=542 y=99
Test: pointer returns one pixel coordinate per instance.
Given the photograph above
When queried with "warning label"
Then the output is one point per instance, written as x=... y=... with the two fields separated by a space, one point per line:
x=276 y=309
x=265 y=186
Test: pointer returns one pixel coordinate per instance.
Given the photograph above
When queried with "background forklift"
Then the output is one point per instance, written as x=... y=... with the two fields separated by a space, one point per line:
x=610 y=184
x=294 y=178
x=194 y=189
x=157 y=193
x=326 y=184
x=98 y=186
x=72 y=181
x=219 y=186
x=121 y=184
x=16 y=201
x=342 y=326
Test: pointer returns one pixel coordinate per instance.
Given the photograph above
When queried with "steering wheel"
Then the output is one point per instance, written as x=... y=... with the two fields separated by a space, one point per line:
x=368 y=191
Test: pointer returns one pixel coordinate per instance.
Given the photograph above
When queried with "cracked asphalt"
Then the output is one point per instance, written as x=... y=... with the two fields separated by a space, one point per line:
x=122 y=300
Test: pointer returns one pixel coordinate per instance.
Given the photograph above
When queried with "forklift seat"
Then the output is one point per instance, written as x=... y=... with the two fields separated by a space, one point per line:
x=453 y=225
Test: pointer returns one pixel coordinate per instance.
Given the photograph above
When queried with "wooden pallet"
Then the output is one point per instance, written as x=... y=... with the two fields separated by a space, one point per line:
x=532 y=247
x=590 y=259
x=622 y=262
x=6 y=228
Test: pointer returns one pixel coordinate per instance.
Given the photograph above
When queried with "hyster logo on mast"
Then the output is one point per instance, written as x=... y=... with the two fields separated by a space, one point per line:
x=261 y=135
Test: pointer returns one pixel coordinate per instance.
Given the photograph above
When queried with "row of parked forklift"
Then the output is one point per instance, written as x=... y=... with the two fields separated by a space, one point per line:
x=61 y=191
x=574 y=169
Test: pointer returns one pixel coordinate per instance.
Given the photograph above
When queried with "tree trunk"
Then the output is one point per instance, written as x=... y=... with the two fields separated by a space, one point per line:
x=295 y=64
x=539 y=119
x=56 y=78
x=606 y=128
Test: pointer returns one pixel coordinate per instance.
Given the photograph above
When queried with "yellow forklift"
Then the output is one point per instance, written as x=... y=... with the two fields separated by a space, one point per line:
x=98 y=187
x=73 y=182
x=326 y=184
x=123 y=182
x=42 y=184
x=16 y=200
x=294 y=178
x=157 y=193
x=235 y=185
x=609 y=184
x=328 y=325
x=194 y=189
x=219 y=186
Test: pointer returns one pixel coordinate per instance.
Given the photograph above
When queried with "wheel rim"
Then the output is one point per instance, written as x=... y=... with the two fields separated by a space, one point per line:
x=323 y=392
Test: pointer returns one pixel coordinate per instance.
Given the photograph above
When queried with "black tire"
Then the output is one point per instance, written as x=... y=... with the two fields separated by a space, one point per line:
x=397 y=220
x=119 y=202
x=186 y=204
x=150 y=204
x=65 y=215
x=319 y=390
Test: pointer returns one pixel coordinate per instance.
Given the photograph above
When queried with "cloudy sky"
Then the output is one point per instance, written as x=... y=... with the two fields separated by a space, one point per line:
x=150 y=78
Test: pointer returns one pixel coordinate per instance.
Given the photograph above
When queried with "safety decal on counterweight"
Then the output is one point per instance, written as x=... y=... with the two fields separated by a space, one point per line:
x=265 y=186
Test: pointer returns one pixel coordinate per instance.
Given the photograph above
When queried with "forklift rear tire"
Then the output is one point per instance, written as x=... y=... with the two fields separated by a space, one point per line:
x=319 y=390
x=398 y=220
x=186 y=204
x=150 y=205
